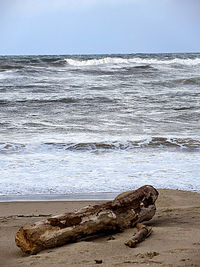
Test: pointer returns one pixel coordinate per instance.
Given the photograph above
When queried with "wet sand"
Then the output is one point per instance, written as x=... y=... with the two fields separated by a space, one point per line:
x=175 y=240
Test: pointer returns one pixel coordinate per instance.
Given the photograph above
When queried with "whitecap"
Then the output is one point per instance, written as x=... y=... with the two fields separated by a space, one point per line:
x=135 y=60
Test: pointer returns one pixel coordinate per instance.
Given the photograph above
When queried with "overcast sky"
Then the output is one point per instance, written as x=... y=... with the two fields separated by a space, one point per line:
x=98 y=26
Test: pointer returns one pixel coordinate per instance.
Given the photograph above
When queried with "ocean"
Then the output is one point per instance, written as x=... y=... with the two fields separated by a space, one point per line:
x=92 y=124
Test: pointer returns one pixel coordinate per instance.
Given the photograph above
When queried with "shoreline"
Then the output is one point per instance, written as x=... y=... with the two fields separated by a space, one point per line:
x=175 y=240
x=59 y=197
x=93 y=196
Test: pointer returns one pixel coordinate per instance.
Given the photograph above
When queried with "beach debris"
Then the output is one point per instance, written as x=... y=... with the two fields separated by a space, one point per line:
x=98 y=261
x=110 y=238
x=125 y=211
x=143 y=232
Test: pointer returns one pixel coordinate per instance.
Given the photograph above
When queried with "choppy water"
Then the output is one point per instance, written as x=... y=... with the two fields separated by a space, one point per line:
x=81 y=124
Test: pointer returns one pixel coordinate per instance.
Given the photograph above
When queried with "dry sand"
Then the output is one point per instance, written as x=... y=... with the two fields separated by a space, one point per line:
x=175 y=240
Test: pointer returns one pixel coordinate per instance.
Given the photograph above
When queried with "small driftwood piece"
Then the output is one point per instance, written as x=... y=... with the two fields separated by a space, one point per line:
x=123 y=212
x=143 y=232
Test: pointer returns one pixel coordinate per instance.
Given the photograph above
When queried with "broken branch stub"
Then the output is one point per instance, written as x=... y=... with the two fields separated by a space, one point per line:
x=143 y=232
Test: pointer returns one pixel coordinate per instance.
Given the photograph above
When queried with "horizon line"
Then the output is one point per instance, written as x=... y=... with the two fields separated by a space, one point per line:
x=92 y=54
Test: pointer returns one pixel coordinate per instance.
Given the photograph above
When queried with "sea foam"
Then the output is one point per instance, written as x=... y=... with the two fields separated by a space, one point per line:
x=135 y=60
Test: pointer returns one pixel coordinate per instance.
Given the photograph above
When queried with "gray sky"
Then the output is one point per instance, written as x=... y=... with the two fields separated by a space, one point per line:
x=99 y=26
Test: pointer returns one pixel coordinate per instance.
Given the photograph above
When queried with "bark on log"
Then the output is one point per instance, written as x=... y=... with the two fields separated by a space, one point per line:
x=143 y=232
x=123 y=212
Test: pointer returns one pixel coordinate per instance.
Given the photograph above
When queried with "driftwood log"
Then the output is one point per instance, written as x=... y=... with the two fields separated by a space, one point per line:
x=125 y=211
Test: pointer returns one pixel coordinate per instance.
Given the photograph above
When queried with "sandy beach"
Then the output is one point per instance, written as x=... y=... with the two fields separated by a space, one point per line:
x=175 y=240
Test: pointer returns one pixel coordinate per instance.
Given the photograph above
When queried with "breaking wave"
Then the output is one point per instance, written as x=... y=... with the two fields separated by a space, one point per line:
x=136 y=60
x=153 y=142
x=51 y=62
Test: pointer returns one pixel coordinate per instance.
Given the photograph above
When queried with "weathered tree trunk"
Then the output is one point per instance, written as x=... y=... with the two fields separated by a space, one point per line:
x=123 y=212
